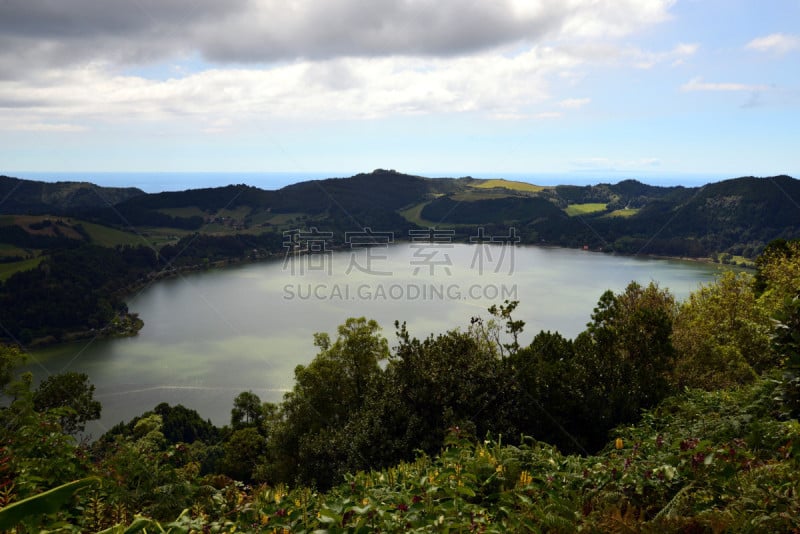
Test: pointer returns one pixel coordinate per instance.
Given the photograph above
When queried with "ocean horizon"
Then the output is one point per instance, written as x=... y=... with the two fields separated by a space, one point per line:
x=155 y=182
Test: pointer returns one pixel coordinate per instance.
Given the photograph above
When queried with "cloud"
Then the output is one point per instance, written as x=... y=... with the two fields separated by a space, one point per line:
x=574 y=103
x=42 y=32
x=356 y=88
x=676 y=56
x=22 y=126
x=778 y=43
x=219 y=64
x=697 y=84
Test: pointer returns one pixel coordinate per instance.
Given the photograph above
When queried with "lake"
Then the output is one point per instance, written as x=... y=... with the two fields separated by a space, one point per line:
x=208 y=336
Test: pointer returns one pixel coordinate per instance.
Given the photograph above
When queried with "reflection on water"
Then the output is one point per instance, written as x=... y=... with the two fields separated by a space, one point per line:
x=209 y=336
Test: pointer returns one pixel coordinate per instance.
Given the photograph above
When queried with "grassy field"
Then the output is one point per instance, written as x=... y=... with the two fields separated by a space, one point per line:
x=188 y=211
x=238 y=213
x=414 y=215
x=626 y=212
x=110 y=237
x=473 y=195
x=7 y=269
x=584 y=209
x=25 y=221
x=509 y=184
x=10 y=250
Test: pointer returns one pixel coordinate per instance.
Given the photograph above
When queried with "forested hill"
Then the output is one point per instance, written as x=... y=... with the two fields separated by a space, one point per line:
x=32 y=197
x=737 y=216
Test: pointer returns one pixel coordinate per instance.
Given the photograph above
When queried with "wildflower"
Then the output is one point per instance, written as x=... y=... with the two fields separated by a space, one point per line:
x=618 y=444
x=525 y=478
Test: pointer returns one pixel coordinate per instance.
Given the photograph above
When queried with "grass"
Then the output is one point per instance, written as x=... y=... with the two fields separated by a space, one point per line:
x=414 y=215
x=625 y=212
x=238 y=213
x=585 y=209
x=188 y=211
x=283 y=218
x=472 y=195
x=7 y=249
x=8 y=269
x=25 y=221
x=110 y=237
x=159 y=236
x=509 y=184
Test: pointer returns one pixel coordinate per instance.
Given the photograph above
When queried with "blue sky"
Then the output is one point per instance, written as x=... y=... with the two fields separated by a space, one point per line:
x=627 y=88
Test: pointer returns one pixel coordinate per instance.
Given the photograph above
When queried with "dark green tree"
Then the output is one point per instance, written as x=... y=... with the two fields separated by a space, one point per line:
x=10 y=359
x=247 y=411
x=550 y=391
x=308 y=440
x=624 y=358
x=786 y=342
x=243 y=453
x=73 y=395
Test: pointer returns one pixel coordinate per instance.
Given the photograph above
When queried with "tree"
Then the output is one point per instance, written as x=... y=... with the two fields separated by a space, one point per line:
x=503 y=312
x=722 y=335
x=786 y=342
x=453 y=379
x=308 y=439
x=550 y=391
x=10 y=359
x=623 y=358
x=778 y=274
x=74 y=393
x=247 y=411
x=243 y=453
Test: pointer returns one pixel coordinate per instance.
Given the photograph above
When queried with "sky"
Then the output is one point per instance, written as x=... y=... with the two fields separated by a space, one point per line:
x=629 y=88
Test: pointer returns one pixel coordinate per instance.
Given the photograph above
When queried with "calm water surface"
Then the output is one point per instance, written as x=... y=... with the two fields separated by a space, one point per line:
x=209 y=336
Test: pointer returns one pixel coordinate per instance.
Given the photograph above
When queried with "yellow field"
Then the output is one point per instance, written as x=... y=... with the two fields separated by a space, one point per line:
x=626 y=212
x=414 y=214
x=584 y=209
x=509 y=184
x=7 y=269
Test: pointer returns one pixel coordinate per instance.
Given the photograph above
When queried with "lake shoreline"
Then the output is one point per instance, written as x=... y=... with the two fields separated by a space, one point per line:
x=129 y=325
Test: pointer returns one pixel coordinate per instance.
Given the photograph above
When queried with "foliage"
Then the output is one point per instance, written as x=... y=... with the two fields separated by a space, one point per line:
x=623 y=358
x=247 y=411
x=34 y=510
x=362 y=446
x=778 y=274
x=786 y=341
x=722 y=335
x=73 y=395
x=179 y=425
x=307 y=439
x=75 y=290
x=705 y=461
x=10 y=358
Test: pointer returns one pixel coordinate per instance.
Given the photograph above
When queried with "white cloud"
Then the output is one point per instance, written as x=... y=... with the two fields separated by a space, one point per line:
x=342 y=88
x=574 y=103
x=697 y=84
x=65 y=63
x=778 y=43
x=23 y=126
x=676 y=56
